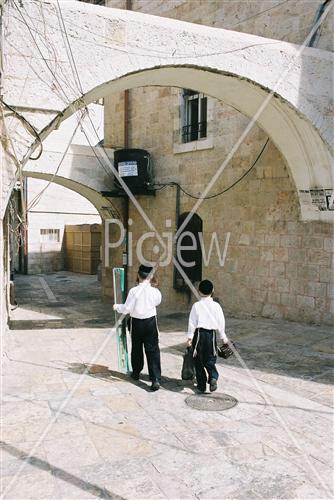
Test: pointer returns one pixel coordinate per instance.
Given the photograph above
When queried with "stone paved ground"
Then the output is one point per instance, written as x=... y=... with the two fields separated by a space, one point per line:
x=71 y=433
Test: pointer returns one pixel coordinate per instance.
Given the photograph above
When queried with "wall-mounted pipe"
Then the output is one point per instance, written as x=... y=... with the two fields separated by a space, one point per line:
x=128 y=6
x=318 y=15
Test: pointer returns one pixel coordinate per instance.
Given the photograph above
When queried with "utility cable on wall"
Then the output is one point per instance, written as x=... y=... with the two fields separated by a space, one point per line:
x=153 y=52
x=37 y=198
x=162 y=186
x=32 y=130
x=77 y=78
x=78 y=83
x=62 y=91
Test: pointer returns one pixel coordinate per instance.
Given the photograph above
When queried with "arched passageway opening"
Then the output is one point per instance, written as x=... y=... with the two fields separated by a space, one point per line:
x=275 y=84
x=61 y=286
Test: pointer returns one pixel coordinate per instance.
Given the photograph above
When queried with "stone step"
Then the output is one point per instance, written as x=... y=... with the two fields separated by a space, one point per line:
x=58 y=323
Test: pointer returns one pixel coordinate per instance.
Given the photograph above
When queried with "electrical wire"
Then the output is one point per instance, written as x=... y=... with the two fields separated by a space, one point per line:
x=29 y=126
x=69 y=50
x=163 y=186
x=37 y=198
x=318 y=15
x=180 y=55
x=157 y=53
x=76 y=76
x=78 y=82
x=18 y=172
x=257 y=14
x=62 y=94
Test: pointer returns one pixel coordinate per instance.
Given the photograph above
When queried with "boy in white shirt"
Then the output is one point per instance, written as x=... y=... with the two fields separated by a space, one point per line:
x=141 y=304
x=206 y=318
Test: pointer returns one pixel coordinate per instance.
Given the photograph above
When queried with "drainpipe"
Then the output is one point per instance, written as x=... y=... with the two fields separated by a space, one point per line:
x=25 y=225
x=177 y=215
x=318 y=15
x=128 y=6
x=1 y=49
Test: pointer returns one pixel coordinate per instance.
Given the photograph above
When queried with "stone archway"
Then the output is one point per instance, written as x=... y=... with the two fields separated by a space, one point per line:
x=110 y=50
x=102 y=50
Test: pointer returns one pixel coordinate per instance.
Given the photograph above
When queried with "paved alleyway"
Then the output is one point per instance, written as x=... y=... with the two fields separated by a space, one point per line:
x=74 y=427
x=62 y=299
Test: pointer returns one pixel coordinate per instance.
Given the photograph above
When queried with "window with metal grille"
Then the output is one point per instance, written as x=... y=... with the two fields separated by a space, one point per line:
x=47 y=235
x=194 y=116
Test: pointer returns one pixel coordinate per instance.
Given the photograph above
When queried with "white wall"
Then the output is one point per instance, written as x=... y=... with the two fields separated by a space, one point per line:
x=58 y=205
x=63 y=134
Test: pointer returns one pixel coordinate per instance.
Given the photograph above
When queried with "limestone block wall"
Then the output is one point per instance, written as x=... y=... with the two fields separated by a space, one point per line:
x=289 y=21
x=276 y=266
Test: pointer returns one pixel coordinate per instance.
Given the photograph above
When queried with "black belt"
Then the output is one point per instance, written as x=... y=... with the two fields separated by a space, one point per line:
x=204 y=330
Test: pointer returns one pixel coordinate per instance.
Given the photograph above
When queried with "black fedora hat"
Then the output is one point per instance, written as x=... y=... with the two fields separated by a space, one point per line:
x=144 y=271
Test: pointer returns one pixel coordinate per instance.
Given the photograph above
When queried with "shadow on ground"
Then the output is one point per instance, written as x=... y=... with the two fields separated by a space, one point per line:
x=69 y=300
x=103 y=372
x=278 y=357
x=59 y=473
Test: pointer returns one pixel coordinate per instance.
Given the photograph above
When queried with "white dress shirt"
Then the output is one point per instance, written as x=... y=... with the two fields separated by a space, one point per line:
x=141 y=301
x=209 y=315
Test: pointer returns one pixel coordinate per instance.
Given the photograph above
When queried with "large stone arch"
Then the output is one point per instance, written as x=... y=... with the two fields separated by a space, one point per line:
x=125 y=50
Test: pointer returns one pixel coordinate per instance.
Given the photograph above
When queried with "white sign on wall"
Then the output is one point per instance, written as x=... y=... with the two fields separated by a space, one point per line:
x=323 y=199
x=127 y=169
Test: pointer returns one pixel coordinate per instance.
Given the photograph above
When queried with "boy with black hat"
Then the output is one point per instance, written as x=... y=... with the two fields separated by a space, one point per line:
x=206 y=318
x=141 y=304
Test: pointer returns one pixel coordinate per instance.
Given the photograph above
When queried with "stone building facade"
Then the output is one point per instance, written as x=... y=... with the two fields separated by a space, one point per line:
x=276 y=266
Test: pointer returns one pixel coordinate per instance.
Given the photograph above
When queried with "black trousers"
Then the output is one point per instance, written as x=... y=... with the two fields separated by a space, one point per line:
x=205 y=358
x=144 y=333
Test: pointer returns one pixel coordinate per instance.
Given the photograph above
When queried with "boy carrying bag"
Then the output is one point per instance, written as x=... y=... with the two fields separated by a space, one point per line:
x=206 y=319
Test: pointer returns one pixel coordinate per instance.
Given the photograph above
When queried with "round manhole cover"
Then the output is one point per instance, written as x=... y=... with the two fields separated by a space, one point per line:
x=211 y=402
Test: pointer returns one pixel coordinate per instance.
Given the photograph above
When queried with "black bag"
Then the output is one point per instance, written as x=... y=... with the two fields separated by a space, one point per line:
x=224 y=351
x=188 y=368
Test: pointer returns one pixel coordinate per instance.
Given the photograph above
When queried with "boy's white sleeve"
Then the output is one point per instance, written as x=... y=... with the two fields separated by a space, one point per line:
x=157 y=298
x=129 y=304
x=192 y=324
x=221 y=328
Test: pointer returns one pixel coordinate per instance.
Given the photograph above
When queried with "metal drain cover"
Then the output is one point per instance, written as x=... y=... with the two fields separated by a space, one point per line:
x=211 y=402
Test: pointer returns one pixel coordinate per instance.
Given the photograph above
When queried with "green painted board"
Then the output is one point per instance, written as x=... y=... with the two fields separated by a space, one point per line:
x=119 y=294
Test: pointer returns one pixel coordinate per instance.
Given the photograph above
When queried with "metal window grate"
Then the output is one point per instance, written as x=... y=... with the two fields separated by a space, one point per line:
x=194 y=131
x=47 y=235
x=194 y=116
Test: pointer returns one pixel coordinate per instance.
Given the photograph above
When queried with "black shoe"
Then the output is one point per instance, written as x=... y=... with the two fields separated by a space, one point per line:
x=135 y=376
x=155 y=386
x=213 y=385
x=200 y=390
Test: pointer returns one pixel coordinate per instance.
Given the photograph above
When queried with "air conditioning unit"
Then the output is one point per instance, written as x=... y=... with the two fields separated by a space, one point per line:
x=134 y=167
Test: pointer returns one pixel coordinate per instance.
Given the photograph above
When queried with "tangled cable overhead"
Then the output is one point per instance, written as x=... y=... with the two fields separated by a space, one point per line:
x=79 y=89
x=28 y=126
